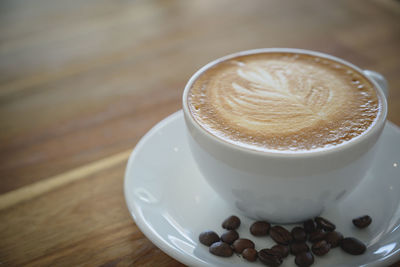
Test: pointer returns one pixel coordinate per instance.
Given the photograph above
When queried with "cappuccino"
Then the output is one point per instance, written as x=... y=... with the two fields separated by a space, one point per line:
x=282 y=101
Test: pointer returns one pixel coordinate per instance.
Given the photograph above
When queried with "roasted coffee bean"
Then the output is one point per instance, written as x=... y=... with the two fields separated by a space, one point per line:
x=320 y=248
x=298 y=247
x=299 y=234
x=250 y=254
x=231 y=223
x=280 y=235
x=208 y=238
x=260 y=228
x=334 y=238
x=353 y=246
x=325 y=224
x=363 y=221
x=221 y=249
x=309 y=226
x=283 y=250
x=315 y=236
x=230 y=236
x=241 y=244
x=304 y=259
x=270 y=257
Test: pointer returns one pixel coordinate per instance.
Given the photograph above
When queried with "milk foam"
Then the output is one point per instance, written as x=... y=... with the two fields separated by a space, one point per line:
x=283 y=101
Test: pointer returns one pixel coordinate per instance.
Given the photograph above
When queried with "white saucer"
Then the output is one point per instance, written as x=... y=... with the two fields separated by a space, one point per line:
x=171 y=202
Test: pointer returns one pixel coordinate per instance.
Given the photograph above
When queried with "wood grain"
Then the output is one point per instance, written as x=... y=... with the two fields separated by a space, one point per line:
x=39 y=188
x=84 y=222
x=82 y=81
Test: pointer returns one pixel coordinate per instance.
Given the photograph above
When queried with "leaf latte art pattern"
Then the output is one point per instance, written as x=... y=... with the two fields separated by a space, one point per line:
x=283 y=102
x=270 y=95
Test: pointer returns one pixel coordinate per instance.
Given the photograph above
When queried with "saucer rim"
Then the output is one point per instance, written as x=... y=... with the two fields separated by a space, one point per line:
x=133 y=208
x=151 y=234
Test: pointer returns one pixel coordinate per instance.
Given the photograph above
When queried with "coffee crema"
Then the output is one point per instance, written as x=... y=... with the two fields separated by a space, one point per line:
x=283 y=101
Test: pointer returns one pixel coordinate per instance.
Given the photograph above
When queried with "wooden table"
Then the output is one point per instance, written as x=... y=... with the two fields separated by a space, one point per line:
x=81 y=81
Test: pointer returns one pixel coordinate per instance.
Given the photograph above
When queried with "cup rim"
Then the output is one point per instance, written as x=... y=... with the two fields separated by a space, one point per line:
x=377 y=126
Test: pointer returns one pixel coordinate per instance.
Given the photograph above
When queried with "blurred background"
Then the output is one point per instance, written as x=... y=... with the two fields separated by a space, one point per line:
x=81 y=81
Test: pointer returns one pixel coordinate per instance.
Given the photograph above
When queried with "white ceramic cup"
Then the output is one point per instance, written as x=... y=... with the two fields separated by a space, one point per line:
x=282 y=187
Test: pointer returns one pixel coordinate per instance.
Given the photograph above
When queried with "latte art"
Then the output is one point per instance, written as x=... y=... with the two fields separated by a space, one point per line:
x=283 y=101
x=270 y=95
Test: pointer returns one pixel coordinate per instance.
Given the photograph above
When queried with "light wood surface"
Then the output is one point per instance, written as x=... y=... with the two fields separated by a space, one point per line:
x=82 y=81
